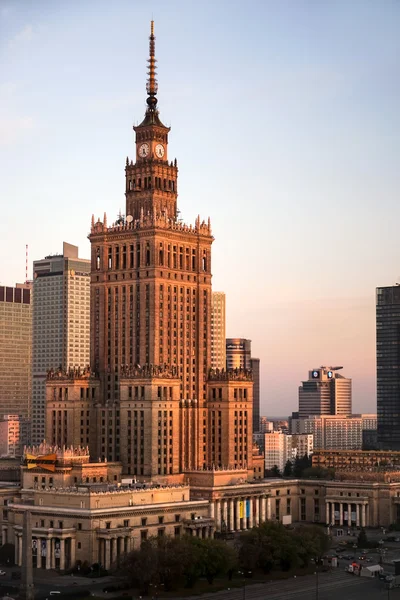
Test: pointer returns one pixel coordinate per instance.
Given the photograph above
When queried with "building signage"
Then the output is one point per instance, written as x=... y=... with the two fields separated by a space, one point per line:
x=57 y=549
x=47 y=461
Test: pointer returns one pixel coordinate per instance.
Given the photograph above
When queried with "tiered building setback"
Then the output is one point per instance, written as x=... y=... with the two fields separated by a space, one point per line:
x=146 y=399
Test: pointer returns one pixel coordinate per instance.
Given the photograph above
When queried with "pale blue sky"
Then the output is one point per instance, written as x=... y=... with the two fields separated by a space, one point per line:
x=285 y=124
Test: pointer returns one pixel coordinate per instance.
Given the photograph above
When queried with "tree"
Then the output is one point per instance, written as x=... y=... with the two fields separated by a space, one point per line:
x=216 y=557
x=275 y=471
x=301 y=464
x=287 y=471
x=312 y=542
x=271 y=546
x=140 y=566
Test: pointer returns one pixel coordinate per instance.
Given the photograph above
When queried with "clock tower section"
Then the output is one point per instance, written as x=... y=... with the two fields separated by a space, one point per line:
x=151 y=183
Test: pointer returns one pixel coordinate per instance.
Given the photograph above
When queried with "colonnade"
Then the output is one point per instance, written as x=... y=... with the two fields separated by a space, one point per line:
x=112 y=548
x=345 y=513
x=50 y=552
x=240 y=513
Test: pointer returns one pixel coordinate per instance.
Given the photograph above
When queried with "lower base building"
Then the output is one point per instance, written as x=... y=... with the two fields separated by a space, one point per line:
x=84 y=512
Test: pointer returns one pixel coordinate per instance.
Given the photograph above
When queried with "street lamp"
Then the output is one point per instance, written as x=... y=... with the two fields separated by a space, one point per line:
x=316 y=578
x=244 y=582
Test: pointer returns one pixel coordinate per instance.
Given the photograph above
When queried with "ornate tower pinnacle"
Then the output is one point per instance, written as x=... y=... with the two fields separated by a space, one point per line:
x=152 y=84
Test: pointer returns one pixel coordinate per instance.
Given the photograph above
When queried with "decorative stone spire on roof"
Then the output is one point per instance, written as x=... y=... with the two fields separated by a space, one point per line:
x=151 y=116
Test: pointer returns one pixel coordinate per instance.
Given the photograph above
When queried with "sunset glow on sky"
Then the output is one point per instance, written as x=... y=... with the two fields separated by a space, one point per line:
x=285 y=124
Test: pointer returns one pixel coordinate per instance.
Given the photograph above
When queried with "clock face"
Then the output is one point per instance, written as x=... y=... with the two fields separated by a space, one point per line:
x=315 y=374
x=144 y=150
x=330 y=374
x=160 y=150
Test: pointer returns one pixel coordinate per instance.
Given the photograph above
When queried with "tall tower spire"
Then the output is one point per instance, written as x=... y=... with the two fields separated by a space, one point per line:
x=152 y=84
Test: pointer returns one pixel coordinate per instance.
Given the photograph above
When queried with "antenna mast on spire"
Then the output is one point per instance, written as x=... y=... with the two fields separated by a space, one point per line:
x=152 y=85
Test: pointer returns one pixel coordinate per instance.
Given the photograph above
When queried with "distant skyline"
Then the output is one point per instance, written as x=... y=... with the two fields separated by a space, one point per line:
x=285 y=124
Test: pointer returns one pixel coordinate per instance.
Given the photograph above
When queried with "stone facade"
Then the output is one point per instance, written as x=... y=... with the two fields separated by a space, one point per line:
x=83 y=511
x=149 y=398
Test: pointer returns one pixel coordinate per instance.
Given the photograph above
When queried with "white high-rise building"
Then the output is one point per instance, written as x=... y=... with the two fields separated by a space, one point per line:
x=278 y=450
x=335 y=432
x=302 y=444
x=325 y=393
x=218 y=327
x=61 y=323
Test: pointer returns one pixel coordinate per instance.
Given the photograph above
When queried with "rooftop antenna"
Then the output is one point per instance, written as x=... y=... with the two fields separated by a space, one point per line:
x=26 y=263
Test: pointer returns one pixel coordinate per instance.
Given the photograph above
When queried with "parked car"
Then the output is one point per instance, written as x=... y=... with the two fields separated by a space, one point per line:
x=3 y=573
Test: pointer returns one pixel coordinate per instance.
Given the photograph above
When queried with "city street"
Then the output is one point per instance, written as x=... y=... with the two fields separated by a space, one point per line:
x=336 y=585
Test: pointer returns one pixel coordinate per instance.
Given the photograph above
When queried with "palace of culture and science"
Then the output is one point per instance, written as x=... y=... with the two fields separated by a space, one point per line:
x=150 y=440
x=150 y=399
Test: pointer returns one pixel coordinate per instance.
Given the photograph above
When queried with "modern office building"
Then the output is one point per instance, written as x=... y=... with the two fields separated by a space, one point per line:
x=278 y=450
x=238 y=353
x=238 y=356
x=326 y=392
x=302 y=444
x=151 y=399
x=218 y=335
x=15 y=350
x=266 y=425
x=335 y=432
x=255 y=368
x=61 y=323
x=14 y=435
x=388 y=366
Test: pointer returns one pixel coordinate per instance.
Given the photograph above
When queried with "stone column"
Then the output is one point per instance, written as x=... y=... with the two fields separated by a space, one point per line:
x=367 y=515
x=257 y=511
x=231 y=515
x=333 y=512
x=16 y=550
x=48 y=554
x=218 y=508
x=26 y=590
x=263 y=508
x=251 y=513
x=341 y=514
x=107 y=557
x=73 y=552
x=327 y=513
x=39 y=553
x=362 y=515
x=62 y=555
x=237 y=515
x=349 y=515
x=120 y=549
x=112 y=551
x=212 y=510
x=53 y=553
x=357 y=515
x=225 y=512
x=268 y=508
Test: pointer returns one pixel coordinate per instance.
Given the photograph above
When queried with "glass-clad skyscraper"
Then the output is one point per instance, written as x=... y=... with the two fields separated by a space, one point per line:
x=388 y=366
